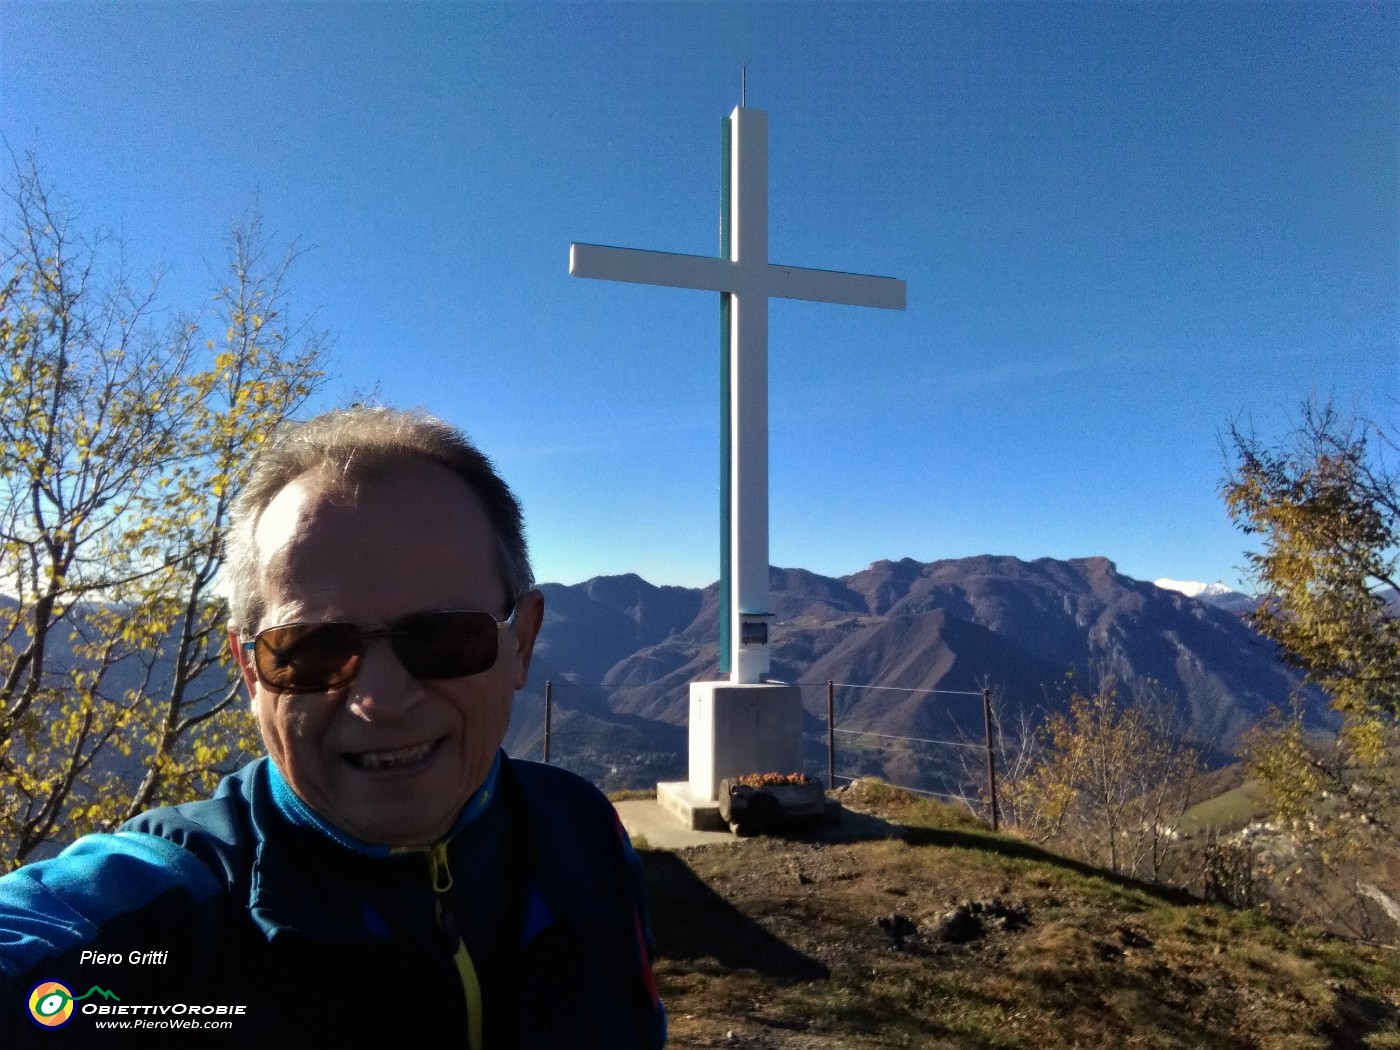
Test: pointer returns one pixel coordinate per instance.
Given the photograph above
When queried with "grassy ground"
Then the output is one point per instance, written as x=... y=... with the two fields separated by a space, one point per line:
x=814 y=944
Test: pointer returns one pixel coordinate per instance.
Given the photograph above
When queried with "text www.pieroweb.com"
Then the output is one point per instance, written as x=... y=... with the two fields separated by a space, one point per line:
x=195 y=1017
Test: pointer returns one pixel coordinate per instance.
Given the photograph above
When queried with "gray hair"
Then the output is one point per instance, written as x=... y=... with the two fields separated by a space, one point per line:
x=356 y=444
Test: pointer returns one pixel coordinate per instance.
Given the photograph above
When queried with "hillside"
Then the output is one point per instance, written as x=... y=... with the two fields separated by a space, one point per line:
x=948 y=936
x=622 y=654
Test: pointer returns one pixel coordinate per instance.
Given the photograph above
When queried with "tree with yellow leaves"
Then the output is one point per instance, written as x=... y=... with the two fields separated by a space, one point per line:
x=1109 y=779
x=1327 y=508
x=1325 y=502
x=124 y=433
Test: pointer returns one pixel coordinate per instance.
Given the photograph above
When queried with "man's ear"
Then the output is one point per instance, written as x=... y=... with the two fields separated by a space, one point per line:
x=244 y=661
x=529 y=616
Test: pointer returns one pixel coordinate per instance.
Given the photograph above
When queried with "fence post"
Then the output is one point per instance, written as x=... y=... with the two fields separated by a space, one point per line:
x=830 y=735
x=991 y=755
x=548 y=715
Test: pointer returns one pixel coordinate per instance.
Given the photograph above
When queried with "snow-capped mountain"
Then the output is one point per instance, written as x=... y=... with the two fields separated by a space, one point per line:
x=1216 y=594
x=1193 y=590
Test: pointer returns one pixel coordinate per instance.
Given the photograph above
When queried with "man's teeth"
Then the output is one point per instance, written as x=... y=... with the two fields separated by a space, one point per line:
x=390 y=759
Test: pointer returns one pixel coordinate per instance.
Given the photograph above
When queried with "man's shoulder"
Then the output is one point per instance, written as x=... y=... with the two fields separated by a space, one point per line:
x=562 y=810
x=554 y=784
x=219 y=831
x=100 y=884
x=587 y=931
x=166 y=865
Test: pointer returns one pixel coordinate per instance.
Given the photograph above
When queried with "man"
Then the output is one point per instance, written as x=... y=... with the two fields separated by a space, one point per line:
x=388 y=872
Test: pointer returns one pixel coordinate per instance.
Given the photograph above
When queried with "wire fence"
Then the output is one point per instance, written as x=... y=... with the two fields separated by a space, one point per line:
x=854 y=739
x=858 y=736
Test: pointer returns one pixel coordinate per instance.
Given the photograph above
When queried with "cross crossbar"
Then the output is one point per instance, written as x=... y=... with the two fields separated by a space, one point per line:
x=707 y=274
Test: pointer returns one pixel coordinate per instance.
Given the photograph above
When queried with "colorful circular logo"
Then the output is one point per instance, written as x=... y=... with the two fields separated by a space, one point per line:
x=51 y=1004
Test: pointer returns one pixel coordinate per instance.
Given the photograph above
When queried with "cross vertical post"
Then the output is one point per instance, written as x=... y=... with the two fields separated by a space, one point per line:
x=748 y=394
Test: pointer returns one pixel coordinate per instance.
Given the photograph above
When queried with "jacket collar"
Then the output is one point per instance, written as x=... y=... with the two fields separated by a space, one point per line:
x=313 y=879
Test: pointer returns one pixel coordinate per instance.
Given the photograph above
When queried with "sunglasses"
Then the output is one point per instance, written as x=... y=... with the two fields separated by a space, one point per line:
x=318 y=657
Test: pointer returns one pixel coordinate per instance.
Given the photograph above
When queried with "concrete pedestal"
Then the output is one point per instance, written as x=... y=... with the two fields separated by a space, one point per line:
x=734 y=729
x=738 y=729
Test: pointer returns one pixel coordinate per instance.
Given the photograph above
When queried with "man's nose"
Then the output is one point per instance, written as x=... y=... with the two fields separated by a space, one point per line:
x=382 y=689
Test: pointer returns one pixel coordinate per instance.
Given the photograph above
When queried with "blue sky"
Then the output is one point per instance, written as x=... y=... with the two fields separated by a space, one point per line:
x=1122 y=226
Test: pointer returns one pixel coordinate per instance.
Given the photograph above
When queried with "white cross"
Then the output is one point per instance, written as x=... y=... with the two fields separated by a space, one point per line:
x=747 y=281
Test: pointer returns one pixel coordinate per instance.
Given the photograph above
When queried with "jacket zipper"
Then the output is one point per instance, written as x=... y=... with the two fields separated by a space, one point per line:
x=466 y=970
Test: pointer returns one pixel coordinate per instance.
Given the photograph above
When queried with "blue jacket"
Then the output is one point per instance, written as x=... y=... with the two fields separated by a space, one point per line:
x=525 y=927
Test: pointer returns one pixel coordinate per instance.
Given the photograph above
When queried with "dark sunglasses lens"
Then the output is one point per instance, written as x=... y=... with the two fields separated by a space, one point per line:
x=308 y=658
x=446 y=644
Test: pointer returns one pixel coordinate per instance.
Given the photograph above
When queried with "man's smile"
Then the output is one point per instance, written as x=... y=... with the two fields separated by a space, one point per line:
x=403 y=758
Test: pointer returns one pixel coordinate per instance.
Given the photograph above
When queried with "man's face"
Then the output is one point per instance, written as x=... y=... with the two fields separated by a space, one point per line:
x=388 y=758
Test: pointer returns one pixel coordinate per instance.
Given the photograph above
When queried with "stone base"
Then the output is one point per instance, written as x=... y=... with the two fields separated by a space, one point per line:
x=694 y=814
x=738 y=729
x=697 y=814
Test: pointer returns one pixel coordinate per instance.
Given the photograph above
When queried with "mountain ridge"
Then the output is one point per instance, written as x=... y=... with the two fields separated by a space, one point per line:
x=629 y=649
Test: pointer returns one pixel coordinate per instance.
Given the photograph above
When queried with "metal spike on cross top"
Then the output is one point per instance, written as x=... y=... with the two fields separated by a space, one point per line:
x=746 y=280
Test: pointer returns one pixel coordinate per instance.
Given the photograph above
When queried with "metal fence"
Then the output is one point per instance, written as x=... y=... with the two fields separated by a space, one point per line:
x=832 y=732
x=986 y=746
